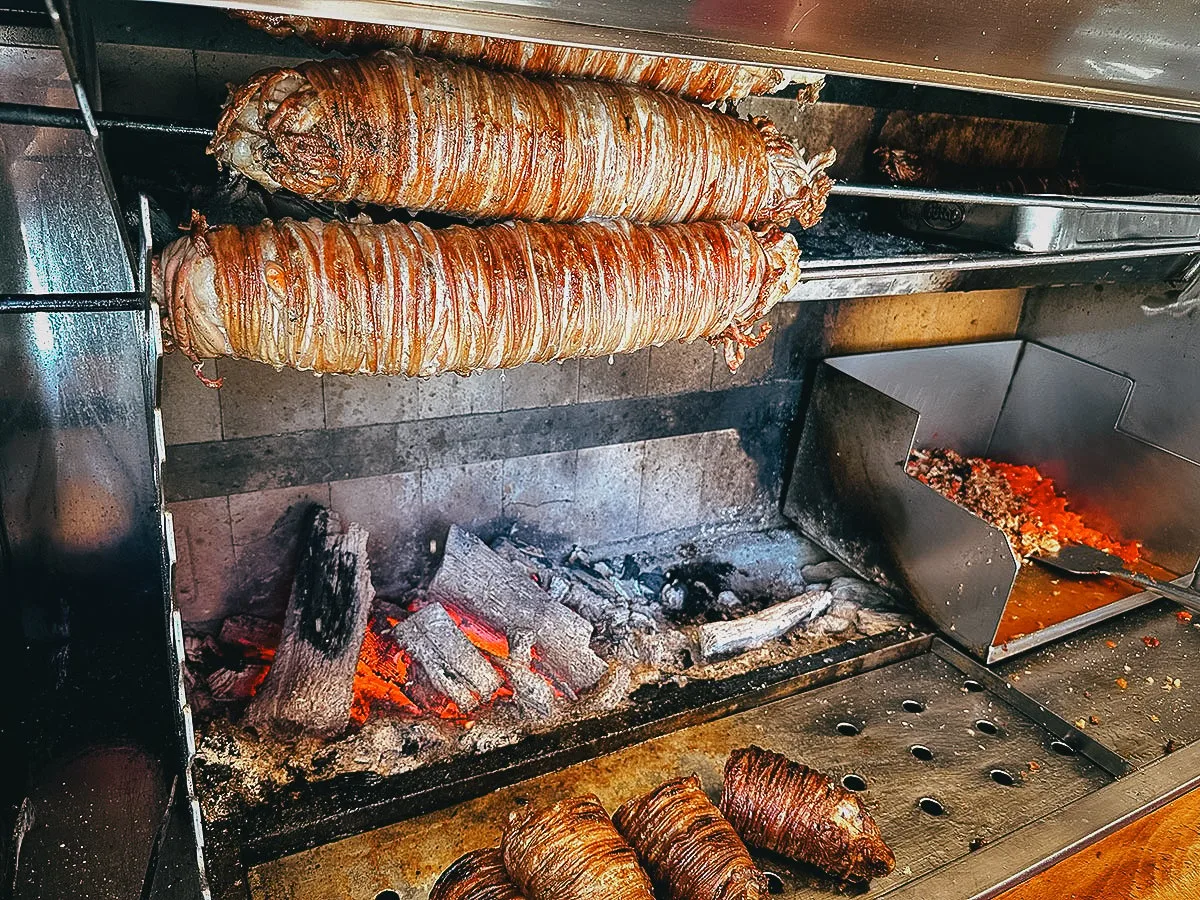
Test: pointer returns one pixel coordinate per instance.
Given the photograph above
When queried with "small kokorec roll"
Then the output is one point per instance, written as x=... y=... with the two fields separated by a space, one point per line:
x=571 y=851
x=403 y=131
x=779 y=805
x=406 y=299
x=701 y=80
x=690 y=850
x=478 y=875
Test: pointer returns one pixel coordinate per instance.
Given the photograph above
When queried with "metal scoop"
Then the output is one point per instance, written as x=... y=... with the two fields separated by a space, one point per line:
x=1078 y=559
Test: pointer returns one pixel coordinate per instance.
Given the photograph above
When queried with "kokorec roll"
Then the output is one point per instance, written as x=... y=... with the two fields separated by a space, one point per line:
x=478 y=875
x=406 y=299
x=780 y=805
x=690 y=850
x=571 y=851
x=402 y=131
x=700 y=80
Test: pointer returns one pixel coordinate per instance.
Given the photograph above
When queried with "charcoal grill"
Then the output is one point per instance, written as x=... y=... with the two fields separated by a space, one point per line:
x=109 y=799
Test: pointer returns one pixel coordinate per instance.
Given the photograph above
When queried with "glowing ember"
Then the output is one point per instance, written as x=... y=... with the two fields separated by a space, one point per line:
x=479 y=633
x=381 y=674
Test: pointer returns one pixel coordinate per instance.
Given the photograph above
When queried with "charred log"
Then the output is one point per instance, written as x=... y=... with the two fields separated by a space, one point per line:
x=719 y=639
x=449 y=662
x=475 y=578
x=310 y=686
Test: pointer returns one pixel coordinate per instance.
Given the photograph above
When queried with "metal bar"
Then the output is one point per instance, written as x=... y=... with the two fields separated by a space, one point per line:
x=832 y=268
x=1099 y=204
x=71 y=303
x=1111 y=762
x=56 y=117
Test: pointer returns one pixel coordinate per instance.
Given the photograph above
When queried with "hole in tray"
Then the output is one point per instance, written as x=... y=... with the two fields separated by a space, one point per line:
x=1062 y=748
x=987 y=727
x=1000 y=776
x=931 y=806
x=389 y=894
x=774 y=883
x=913 y=706
x=972 y=685
x=854 y=782
x=849 y=729
x=921 y=752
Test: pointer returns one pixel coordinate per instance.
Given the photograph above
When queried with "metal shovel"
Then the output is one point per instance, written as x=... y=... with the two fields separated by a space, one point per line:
x=1078 y=559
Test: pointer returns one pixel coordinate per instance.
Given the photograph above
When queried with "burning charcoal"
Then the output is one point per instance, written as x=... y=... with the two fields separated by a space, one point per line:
x=236 y=684
x=653 y=582
x=473 y=578
x=311 y=681
x=532 y=693
x=450 y=663
x=825 y=572
x=251 y=634
x=719 y=639
x=198 y=648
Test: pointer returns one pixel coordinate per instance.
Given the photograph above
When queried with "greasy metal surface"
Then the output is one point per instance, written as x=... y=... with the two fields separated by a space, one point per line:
x=998 y=866
x=1010 y=401
x=407 y=857
x=60 y=227
x=1078 y=679
x=1139 y=54
x=1037 y=712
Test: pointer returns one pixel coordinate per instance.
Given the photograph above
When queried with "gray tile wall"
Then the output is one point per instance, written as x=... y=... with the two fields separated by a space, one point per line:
x=235 y=550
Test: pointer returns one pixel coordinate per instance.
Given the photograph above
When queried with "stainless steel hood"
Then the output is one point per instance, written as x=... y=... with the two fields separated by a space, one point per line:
x=1137 y=54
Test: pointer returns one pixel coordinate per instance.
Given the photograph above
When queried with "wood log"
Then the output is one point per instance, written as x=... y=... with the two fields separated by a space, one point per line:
x=449 y=662
x=251 y=634
x=719 y=639
x=311 y=682
x=531 y=692
x=474 y=578
x=236 y=684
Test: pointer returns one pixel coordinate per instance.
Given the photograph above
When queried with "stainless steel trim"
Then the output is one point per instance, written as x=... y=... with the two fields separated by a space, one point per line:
x=1104 y=204
x=1135 y=55
x=1081 y=743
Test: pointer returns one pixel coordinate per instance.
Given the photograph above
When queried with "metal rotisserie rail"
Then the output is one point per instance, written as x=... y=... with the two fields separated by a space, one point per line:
x=959 y=767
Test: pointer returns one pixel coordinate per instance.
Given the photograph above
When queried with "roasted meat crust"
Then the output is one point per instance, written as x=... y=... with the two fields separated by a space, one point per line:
x=405 y=299
x=779 y=805
x=706 y=82
x=403 y=131
x=571 y=851
x=478 y=875
x=690 y=850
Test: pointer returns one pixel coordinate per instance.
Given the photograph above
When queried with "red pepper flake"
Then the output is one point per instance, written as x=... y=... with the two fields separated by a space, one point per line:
x=1122 y=683
x=1111 y=645
x=1150 y=640
x=1183 y=616
x=1033 y=765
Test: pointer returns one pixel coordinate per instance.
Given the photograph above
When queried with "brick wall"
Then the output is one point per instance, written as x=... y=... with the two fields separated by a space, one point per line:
x=583 y=451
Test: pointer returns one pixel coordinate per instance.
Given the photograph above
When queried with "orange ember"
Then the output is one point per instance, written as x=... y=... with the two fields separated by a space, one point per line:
x=381 y=674
x=480 y=633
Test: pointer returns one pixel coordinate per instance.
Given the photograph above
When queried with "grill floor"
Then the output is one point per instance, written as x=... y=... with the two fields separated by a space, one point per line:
x=407 y=857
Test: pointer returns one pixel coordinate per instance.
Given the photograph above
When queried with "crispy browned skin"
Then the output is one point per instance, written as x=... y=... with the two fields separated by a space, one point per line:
x=478 y=875
x=407 y=299
x=779 y=805
x=690 y=850
x=706 y=82
x=403 y=131
x=571 y=851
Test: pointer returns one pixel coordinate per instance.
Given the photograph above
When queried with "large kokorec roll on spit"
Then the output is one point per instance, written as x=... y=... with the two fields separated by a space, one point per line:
x=779 y=805
x=407 y=299
x=401 y=131
x=571 y=851
x=701 y=80
x=690 y=850
x=478 y=875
